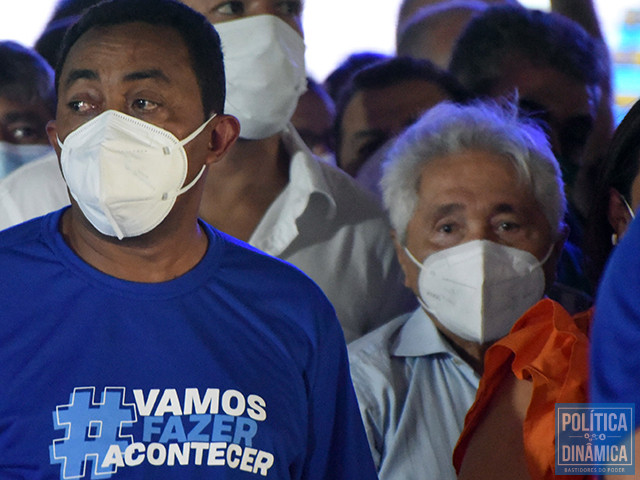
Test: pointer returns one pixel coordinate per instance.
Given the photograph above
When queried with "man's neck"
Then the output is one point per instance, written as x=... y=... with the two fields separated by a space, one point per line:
x=242 y=186
x=159 y=256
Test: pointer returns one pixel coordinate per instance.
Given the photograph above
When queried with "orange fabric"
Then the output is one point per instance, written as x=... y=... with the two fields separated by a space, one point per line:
x=547 y=348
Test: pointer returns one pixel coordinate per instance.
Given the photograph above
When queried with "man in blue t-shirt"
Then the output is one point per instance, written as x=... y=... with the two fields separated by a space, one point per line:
x=137 y=341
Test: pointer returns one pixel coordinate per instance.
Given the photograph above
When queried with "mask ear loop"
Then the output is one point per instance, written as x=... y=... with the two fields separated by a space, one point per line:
x=545 y=258
x=182 y=143
x=413 y=259
x=629 y=209
x=422 y=303
x=614 y=236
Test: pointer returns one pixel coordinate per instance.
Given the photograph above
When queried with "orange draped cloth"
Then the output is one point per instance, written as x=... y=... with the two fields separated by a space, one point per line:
x=546 y=347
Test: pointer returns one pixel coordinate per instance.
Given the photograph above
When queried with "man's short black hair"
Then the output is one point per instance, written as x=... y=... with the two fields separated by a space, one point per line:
x=65 y=14
x=201 y=39
x=25 y=76
x=484 y=49
x=389 y=72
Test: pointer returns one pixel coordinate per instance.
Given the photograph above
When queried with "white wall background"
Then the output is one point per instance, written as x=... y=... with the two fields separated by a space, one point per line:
x=333 y=28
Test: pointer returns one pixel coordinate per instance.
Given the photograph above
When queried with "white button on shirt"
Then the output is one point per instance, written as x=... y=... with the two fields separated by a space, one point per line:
x=414 y=392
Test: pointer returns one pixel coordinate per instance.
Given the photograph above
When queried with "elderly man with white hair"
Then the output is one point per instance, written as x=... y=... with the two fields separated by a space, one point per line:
x=476 y=202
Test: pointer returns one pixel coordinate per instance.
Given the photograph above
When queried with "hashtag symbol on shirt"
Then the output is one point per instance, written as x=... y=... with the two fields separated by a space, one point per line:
x=91 y=428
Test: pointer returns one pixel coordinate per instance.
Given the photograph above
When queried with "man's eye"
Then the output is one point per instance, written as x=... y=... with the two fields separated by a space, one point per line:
x=230 y=8
x=446 y=228
x=144 y=105
x=292 y=8
x=508 y=226
x=24 y=133
x=80 y=106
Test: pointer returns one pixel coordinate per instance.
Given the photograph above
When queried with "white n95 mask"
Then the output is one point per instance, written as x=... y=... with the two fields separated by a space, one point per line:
x=479 y=289
x=125 y=173
x=265 y=73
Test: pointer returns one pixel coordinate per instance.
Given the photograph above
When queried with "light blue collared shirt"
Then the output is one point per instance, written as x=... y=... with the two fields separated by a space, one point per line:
x=414 y=391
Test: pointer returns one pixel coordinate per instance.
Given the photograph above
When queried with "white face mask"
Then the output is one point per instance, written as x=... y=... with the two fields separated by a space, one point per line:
x=479 y=289
x=125 y=173
x=265 y=72
x=13 y=156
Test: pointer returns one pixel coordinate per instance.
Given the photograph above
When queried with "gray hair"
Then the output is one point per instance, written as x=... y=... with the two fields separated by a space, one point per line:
x=450 y=128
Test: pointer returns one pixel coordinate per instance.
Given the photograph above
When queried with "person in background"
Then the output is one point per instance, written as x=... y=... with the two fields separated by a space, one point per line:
x=383 y=99
x=617 y=195
x=476 y=201
x=313 y=120
x=271 y=191
x=408 y=8
x=616 y=325
x=38 y=187
x=555 y=70
x=27 y=103
x=552 y=63
x=340 y=76
x=65 y=14
x=432 y=31
x=138 y=341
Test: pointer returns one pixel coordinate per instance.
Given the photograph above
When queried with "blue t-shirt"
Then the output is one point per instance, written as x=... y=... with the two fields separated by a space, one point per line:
x=235 y=370
x=615 y=334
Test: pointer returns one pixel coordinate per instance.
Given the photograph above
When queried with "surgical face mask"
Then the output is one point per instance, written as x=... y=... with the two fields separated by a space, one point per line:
x=479 y=289
x=125 y=173
x=13 y=155
x=265 y=72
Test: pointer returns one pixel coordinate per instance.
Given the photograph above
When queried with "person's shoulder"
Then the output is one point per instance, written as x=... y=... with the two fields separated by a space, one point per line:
x=261 y=268
x=21 y=233
x=348 y=194
x=373 y=350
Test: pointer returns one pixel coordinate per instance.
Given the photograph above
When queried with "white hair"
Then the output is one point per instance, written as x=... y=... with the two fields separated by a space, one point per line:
x=449 y=128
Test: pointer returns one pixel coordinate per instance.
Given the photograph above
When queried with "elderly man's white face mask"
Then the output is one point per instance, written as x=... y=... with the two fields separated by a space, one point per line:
x=477 y=290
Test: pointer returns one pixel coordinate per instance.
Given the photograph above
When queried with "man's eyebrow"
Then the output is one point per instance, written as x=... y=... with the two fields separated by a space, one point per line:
x=153 y=73
x=80 y=74
x=447 y=209
x=504 y=208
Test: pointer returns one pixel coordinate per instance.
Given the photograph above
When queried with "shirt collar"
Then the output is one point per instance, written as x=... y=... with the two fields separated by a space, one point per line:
x=419 y=337
x=305 y=172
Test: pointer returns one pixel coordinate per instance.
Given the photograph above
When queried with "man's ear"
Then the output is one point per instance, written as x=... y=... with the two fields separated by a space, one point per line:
x=225 y=131
x=617 y=213
x=52 y=134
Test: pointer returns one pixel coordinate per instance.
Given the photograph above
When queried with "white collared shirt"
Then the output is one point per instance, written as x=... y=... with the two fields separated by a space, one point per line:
x=336 y=233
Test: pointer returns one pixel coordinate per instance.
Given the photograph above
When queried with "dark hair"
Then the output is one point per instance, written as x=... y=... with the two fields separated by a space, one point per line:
x=66 y=13
x=25 y=76
x=201 y=39
x=336 y=80
x=618 y=170
x=483 y=50
x=390 y=72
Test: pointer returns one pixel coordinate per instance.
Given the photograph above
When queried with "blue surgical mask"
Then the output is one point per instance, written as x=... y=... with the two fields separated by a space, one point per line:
x=13 y=156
